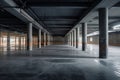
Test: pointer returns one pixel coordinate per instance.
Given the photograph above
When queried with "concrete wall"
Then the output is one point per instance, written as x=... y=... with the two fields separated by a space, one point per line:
x=58 y=40
x=93 y=39
x=114 y=39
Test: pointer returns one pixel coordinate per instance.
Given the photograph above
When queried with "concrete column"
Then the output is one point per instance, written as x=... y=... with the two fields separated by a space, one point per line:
x=19 y=41
x=44 y=39
x=72 y=38
x=15 y=41
x=103 y=32
x=39 y=38
x=69 y=39
x=0 y=40
x=74 y=32
x=29 y=37
x=77 y=37
x=51 y=39
x=8 y=41
x=84 y=36
x=48 y=39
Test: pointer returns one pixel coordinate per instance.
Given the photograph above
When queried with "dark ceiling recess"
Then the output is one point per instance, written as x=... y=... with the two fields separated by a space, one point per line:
x=56 y=15
x=10 y=22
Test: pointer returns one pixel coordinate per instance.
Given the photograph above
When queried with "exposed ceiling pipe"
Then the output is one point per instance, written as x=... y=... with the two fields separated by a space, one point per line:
x=20 y=13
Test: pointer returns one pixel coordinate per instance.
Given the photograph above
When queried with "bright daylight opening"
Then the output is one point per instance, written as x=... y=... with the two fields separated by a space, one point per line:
x=116 y=27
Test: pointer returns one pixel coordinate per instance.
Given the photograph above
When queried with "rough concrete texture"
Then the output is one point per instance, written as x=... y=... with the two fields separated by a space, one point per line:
x=61 y=63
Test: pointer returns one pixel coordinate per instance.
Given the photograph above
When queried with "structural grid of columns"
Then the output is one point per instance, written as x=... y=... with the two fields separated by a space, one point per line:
x=103 y=32
x=39 y=38
x=84 y=36
x=29 y=37
x=77 y=37
x=46 y=38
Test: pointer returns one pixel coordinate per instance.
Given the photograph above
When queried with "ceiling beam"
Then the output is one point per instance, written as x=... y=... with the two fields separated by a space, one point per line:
x=60 y=24
x=110 y=17
x=93 y=11
x=60 y=4
x=58 y=17
x=21 y=14
x=117 y=5
x=60 y=27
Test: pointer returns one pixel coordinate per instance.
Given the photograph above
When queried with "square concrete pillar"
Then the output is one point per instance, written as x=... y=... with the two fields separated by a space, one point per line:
x=74 y=39
x=48 y=39
x=44 y=39
x=70 y=39
x=8 y=41
x=77 y=37
x=0 y=39
x=29 y=37
x=19 y=41
x=103 y=32
x=84 y=36
x=39 y=38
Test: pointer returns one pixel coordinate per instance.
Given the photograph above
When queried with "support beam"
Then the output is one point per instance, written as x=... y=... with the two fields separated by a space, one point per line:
x=51 y=40
x=61 y=4
x=77 y=37
x=39 y=38
x=44 y=39
x=92 y=11
x=84 y=36
x=20 y=42
x=70 y=39
x=103 y=32
x=29 y=37
x=0 y=38
x=15 y=42
x=48 y=39
x=74 y=38
x=20 y=13
x=8 y=41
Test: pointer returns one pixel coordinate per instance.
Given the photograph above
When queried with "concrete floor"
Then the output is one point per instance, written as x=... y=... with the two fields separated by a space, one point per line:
x=113 y=51
x=58 y=62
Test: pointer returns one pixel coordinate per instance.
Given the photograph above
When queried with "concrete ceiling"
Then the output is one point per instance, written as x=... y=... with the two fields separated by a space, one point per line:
x=59 y=17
